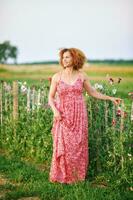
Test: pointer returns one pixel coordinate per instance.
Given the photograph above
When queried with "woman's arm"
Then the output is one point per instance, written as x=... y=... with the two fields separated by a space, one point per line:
x=94 y=93
x=51 y=96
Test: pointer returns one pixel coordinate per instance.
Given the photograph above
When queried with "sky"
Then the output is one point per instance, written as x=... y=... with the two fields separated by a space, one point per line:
x=102 y=29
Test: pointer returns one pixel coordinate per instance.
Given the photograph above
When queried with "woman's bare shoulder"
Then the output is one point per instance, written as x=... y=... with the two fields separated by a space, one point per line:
x=84 y=75
x=56 y=76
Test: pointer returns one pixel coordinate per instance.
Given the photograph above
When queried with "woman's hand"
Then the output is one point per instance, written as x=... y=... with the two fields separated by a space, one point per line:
x=115 y=100
x=57 y=115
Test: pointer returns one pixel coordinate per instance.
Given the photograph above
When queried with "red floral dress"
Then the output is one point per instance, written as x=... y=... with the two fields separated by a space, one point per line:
x=70 y=135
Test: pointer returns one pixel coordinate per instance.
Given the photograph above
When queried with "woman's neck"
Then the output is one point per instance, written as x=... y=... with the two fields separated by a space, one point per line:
x=70 y=71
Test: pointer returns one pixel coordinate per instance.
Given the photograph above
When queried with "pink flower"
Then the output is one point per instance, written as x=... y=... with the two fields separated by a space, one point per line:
x=49 y=79
x=113 y=122
x=111 y=81
x=119 y=80
x=118 y=112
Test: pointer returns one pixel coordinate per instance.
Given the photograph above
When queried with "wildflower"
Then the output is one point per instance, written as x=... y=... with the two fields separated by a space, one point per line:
x=23 y=89
x=25 y=83
x=119 y=80
x=8 y=88
x=114 y=91
x=111 y=81
x=98 y=86
x=113 y=122
x=130 y=156
x=118 y=112
x=50 y=79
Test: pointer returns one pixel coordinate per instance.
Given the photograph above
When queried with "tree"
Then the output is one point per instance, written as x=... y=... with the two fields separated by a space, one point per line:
x=8 y=51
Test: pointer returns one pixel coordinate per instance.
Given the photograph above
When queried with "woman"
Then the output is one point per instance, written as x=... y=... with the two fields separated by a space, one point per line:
x=70 y=122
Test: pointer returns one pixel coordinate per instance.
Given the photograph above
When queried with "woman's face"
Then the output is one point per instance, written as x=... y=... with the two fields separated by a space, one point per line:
x=67 y=59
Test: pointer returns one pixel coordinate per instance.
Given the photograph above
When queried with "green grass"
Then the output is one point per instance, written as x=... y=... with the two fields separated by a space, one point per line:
x=27 y=180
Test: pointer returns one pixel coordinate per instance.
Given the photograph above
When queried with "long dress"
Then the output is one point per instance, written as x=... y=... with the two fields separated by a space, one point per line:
x=70 y=135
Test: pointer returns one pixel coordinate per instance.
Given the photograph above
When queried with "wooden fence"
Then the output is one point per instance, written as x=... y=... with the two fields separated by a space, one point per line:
x=11 y=96
x=35 y=98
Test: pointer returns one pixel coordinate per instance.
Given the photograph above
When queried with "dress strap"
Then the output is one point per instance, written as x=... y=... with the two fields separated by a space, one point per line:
x=60 y=73
x=79 y=75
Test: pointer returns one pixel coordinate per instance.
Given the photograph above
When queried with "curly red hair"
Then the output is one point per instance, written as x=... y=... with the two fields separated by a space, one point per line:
x=79 y=57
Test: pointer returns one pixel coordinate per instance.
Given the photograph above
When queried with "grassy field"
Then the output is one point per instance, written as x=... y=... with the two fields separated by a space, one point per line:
x=35 y=72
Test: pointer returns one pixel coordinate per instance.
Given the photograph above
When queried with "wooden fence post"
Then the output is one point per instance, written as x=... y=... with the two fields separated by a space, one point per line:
x=5 y=97
x=39 y=98
x=132 y=111
x=1 y=103
x=121 y=133
x=33 y=98
x=15 y=100
x=28 y=99
x=106 y=121
x=114 y=130
x=106 y=114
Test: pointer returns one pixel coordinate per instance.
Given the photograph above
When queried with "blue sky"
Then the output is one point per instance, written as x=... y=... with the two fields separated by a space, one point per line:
x=101 y=28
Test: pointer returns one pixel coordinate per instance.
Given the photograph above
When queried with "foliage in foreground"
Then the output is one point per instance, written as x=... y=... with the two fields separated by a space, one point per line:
x=110 y=137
